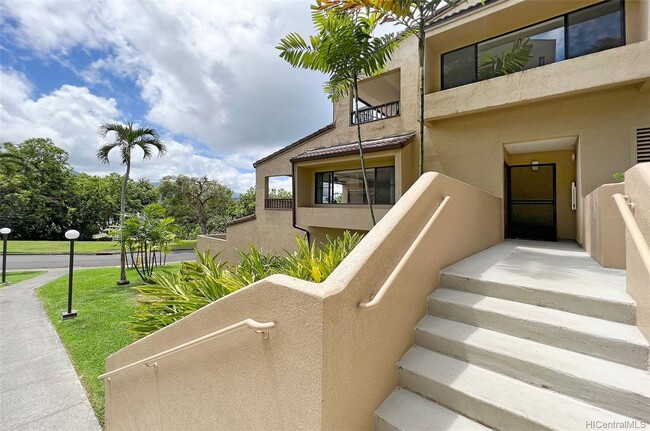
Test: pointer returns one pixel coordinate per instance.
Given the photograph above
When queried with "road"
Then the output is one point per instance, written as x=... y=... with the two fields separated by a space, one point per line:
x=47 y=261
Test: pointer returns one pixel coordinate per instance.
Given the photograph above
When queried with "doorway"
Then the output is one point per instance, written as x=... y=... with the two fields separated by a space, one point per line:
x=531 y=202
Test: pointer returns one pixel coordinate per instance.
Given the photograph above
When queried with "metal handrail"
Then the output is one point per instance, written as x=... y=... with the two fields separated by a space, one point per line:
x=260 y=328
x=375 y=299
x=625 y=208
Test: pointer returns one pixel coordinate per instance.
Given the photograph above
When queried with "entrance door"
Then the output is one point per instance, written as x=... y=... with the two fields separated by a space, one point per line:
x=532 y=212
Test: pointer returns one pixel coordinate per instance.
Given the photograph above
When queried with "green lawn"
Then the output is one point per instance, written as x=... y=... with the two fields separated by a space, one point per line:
x=91 y=247
x=100 y=329
x=18 y=276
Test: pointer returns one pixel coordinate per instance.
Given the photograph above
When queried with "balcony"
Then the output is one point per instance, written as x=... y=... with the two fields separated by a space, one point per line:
x=620 y=66
x=278 y=204
x=375 y=113
x=379 y=98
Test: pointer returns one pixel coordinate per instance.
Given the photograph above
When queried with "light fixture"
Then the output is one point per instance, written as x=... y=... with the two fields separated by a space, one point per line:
x=70 y=235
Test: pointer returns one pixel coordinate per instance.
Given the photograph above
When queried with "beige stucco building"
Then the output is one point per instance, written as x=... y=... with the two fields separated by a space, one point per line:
x=579 y=110
x=434 y=321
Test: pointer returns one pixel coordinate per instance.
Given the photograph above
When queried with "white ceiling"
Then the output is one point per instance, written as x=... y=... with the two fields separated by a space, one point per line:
x=555 y=144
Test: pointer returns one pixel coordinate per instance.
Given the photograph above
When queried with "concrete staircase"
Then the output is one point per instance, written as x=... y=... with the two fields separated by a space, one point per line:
x=509 y=344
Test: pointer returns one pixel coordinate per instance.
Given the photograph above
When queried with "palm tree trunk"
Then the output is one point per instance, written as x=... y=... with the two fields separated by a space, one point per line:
x=123 y=279
x=363 y=162
x=421 y=41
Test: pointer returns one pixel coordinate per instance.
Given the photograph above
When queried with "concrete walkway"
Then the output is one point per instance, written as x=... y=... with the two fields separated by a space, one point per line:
x=39 y=388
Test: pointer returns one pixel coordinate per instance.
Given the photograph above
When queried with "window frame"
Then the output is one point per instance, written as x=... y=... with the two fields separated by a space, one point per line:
x=331 y=190
x=565 y=18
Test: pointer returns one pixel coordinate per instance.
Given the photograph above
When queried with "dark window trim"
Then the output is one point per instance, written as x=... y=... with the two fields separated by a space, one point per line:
x=331 y=193
x=566 y=40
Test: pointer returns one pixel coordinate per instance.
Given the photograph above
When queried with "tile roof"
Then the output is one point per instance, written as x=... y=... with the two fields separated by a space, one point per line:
x=300 y=141
x=369 y=146
x=463 y=7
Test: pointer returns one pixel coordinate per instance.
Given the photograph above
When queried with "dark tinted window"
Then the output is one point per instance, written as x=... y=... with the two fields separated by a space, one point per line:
x=385 y=185
x=459 y=67
x=595 y=29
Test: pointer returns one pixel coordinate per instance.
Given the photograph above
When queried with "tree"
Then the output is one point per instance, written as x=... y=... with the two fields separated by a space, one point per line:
x=127 y=138
x=195 y=200
x=36 y=194
x=145 y=234
x=345 y=49
x=244 y=205
x=414 y=16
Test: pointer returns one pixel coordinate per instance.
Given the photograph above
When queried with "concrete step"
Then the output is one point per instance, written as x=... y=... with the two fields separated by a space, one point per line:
x=495 y=400
x=406 y=411
x=609 y=385
x=602 y=304
x=617 y=342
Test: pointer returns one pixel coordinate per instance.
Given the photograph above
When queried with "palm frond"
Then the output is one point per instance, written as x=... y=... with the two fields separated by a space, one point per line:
x=103 y=152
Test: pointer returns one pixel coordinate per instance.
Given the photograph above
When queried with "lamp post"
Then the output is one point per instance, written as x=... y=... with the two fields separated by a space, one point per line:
x=5 y=231
x=70 y=235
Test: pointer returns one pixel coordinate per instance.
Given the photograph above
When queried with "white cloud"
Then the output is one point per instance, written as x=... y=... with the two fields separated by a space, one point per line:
x=71 y=115
x=206 y=69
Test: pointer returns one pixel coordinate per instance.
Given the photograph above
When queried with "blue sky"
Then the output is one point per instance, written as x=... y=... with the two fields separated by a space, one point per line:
x=205 y=75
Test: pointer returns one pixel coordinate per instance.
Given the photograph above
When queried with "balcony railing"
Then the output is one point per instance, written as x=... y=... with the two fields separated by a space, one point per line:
x=278 y=203
x=375 y=113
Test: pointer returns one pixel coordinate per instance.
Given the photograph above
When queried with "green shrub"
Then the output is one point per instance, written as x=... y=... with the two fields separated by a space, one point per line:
x=174 y=296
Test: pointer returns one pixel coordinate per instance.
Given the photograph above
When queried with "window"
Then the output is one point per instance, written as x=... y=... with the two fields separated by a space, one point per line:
x=592 y=29
x=346 y=187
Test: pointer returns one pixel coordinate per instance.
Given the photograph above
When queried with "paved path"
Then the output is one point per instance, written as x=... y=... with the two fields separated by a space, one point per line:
x=45 y=261
x=39 y=388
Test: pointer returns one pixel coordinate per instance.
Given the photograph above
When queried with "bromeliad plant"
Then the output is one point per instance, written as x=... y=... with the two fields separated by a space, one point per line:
x=172 y=297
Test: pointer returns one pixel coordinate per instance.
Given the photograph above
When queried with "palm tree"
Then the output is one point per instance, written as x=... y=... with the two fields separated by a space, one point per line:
x=345 y=49
x=127 y=138
x=414 y=15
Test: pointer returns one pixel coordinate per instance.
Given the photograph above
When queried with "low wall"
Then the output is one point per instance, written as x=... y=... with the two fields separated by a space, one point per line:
x=604 y=228
x=637 y=187
x=328 y=364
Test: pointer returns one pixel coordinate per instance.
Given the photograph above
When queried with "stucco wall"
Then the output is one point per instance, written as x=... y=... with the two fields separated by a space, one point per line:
x=328 y=364
x=235 y=382
x=637 y=187
x=271 y=231
x=604 y=229
x=470 y=147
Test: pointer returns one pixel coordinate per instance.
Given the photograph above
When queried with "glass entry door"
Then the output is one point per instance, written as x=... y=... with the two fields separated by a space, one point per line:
x=532 y=211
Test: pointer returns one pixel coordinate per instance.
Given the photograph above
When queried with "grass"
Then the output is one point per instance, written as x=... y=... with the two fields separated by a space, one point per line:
x=100 y=329
x=90 y=247
x=18 y=276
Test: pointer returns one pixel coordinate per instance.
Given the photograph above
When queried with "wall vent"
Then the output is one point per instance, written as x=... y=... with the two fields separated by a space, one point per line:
x=643 y=145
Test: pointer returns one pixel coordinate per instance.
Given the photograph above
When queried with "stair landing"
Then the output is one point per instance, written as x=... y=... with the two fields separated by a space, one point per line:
x=535 y=271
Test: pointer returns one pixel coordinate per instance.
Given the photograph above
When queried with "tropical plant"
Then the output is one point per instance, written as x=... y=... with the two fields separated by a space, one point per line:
x=510 y=61
x=345 y=49
x=127 y=139
x=172 y=297
x=413 y=15
x=146 y=234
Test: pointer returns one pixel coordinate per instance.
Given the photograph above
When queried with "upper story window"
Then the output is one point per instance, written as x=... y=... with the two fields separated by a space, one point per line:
x=585 y=31
x=346 y=187
x=379 y=98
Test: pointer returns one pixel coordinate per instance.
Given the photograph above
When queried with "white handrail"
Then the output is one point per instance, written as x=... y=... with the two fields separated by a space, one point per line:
x=260 y=328
x=374 y=301
x=633 y=227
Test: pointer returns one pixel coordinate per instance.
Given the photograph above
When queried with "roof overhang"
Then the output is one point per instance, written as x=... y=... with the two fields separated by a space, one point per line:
x=369 y=146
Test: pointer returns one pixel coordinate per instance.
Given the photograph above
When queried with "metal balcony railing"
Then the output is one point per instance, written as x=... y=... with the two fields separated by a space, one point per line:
x=375 y=113
x=278 y=203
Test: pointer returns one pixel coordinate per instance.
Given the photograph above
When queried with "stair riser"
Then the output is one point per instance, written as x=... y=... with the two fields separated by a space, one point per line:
x=473 y=408
x=615 y=312
x=614 y=399
x=613 y=350
x=382 y=425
